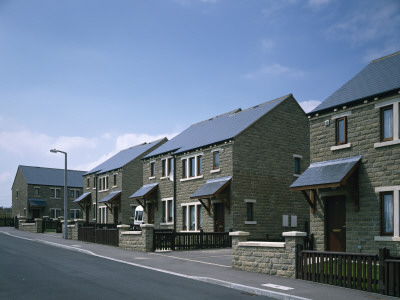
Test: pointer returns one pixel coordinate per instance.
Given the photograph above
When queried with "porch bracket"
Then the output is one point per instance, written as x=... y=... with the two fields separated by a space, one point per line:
x=207 y=205
x=109 y=207
x=311 y=201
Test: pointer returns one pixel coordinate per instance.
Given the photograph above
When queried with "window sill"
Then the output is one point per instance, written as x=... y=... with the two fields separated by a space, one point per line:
x=192 y=178
x=250 y=222
x=166 y=224
x=388 y=143
x=152 y=177
x=387 y=239
x=215 y=171
x=196 y=231
x=296 y=175
x=339 y=147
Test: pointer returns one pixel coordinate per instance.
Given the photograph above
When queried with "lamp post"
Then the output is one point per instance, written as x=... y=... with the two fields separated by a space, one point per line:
x=65 y=193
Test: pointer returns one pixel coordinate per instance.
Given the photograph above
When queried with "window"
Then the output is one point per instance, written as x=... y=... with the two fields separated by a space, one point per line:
x=88 y=182
x=55 y=193
x=55 y=213
x=387 y=123
x=167 y=167
x=192 y=167
x=103 y=215
x=167 y=210
x=72 y=194
x=103 y=183
x=37 y=191
x=215 y=160
x=94 y=211
x=297 y=165
x=94 y=182
x=341 y=131
x=77 y=194
x=184 y=168
x=115 y=180
x=250 y=211
x=191 y=217
x=133 y=208
x=199 y=165
x=74 y=213
x=152 y=169
x=387 y=213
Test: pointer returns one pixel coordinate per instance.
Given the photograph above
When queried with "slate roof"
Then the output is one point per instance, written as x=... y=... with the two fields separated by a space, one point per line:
x=37 y=202
x=110 y=197
x=49 y=176
x=83 y=197
x=326 y=172
x=211 y=187
x=123 y=157
x=144 y=191
x=379 y=76
x=217 y=129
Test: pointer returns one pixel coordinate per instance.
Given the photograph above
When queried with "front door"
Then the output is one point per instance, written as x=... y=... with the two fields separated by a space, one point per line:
x=219 y=217
x=36 y=213
x=115 y=215
x=335 y=213
x=150 y=211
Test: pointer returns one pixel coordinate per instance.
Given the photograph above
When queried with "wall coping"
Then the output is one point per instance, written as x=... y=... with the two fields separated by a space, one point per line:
x=38 y=219
x=294 y=233
x=28 y=224
x=147 y=225
x=131 y=233
x=262 y=244
x=123 y=226
x=239 y=233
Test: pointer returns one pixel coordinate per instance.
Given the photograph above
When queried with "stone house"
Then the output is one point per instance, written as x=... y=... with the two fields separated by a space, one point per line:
x=39 y=192
x=230 y=173
x=108 y=186
x=353 y=182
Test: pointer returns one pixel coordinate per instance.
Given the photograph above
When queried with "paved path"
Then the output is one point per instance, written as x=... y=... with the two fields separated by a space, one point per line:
x=213 y=266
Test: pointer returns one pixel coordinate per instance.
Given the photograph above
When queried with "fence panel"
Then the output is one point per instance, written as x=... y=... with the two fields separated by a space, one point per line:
x=107 y=237
x=87 y=234
x=351 y=270
x=170 y=240
x=392 y=277
x=6 y=221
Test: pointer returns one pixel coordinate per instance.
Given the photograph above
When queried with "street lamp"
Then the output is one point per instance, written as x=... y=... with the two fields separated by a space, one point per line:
x=65 y=193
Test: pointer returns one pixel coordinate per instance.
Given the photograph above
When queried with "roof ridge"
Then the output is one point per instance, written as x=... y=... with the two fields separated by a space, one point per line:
x=218 y=116
x=384 y=57
x=48 y=168
x=267 y=102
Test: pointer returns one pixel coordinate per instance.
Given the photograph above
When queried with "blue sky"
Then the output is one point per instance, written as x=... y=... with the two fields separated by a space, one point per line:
x=93 y=77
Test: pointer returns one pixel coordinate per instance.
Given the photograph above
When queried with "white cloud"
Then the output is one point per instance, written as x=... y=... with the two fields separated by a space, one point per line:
x=67 y=143
x=309 y=105
x=268 y=44
x=276 y=70
x=5 y=177
x=24 y=142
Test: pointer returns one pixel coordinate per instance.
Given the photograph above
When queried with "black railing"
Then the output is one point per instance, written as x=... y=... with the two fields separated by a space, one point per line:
x=6 y=221
x=171 y=240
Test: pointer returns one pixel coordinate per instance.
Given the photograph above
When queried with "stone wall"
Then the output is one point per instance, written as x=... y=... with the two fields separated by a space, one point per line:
x=272 y=258
x=30 y=227
x=137 y=240
x=379 y=168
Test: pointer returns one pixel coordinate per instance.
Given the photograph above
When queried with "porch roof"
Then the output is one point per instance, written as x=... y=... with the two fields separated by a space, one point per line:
x=211 y=188
x=83 y=197
x=110 y=197
x=144 y=191
x=37 y=202
x=325 y=174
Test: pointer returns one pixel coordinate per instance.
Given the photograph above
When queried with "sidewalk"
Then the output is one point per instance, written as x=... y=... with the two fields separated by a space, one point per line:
x=213 y=266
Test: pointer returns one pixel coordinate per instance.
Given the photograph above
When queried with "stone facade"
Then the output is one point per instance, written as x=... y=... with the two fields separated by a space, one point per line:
x=22 y=191
x=137 y=240
x=272 y=258
x=261 y=162
x=379 y=171
x=129 y=178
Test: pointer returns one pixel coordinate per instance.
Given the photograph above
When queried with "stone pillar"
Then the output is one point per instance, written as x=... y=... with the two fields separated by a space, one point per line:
x=147 y=232
x=237 y=237
x=292 y=238
x=39 y=225
x=21 y=220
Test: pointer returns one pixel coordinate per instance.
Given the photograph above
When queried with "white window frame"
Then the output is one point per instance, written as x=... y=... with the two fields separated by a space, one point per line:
x=150 y=163
x=55 y=193
x=55 y=212
x=333 y=118
x=219 y=150
x=167 y=170
x=396 y=217
x=196 y=167
x=103 y=214
x=103 y=183
x=166 y=213
x=395 y=105
x=197 y=222
x=74 y=210
x=75 y=191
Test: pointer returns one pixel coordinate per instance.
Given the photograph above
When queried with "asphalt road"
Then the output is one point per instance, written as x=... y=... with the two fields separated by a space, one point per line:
x=33 y=270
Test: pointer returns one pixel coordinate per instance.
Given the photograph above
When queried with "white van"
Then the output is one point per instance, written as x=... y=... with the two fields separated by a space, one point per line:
x=138 y=215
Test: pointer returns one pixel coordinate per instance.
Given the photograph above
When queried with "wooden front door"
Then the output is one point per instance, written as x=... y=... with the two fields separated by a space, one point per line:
x=115 y=215
x=335 y=213
x=150 y=212
x=36 y=213
x=219 y=217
